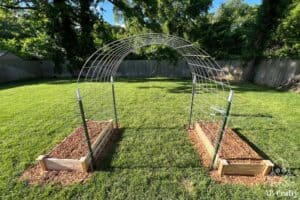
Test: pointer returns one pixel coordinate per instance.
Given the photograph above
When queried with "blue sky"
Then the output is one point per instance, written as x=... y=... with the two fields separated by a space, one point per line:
x=109 y=17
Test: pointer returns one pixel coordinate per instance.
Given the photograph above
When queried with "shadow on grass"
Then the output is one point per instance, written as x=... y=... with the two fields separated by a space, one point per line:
x=28 y=82
x=103 y=162
x=249 y=87
x=151 y=79
x=258 y=115
x=184 y=87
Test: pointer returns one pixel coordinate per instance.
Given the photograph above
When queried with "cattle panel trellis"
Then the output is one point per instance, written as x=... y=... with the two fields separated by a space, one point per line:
x=209 y=89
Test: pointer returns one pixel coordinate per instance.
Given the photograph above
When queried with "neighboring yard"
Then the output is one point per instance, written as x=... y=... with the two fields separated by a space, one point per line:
x=154 y=158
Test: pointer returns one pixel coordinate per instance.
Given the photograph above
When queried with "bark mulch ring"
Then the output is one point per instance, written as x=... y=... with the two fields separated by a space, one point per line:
x=234 y=150
x=74 y=146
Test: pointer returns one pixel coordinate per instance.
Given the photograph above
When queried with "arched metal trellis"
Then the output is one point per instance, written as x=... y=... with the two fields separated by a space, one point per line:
x=209 y=90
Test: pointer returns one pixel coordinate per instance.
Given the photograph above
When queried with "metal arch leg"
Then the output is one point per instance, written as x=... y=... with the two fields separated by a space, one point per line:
x=85 y=128
x=114 y=101
x=192 y=102
x=221 y=133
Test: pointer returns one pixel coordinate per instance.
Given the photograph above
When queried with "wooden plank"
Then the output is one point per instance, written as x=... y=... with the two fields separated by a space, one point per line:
x=100 y=142
x=41 y=160
x=97 y=150
x=102 y=134
x=268 y=167
x=243 y=169
x=63 y=164
x=84 y=164
x=222 y=164
x=209 y=147
x=227 y=168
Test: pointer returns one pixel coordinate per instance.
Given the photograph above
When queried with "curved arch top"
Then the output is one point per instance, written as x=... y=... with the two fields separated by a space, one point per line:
x=210 y=87
x=104 y=62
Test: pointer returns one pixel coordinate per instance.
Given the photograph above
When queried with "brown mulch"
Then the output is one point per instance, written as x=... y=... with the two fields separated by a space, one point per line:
x=74 y=146
x=36 y=176
x=226 y=179
x=232 y=147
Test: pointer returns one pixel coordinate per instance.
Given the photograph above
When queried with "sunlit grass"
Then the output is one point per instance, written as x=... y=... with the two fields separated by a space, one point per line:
x=154 y=158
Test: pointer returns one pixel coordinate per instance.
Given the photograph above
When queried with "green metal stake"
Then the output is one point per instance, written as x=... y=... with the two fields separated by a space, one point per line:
x=114 y=100
x=85 y=128
x=192 y=103
x=221 y=133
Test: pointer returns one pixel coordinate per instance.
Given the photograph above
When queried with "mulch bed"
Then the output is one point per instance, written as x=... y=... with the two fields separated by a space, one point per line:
x=233 y=149
x=73 y=146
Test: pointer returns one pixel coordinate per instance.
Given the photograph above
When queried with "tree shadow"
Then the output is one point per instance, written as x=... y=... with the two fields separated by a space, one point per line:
x=250 y=87
x=151 y=87
x=258 y=115
x=150 y=79
x=36 y=81
x=184 y=87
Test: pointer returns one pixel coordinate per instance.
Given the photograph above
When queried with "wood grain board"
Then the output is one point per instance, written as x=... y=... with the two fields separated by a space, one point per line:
x=81 y=164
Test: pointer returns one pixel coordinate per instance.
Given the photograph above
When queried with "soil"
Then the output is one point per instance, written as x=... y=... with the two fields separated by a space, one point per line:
x=232 y=147
x=74 y=146
x=226 y=179
x=36 y=176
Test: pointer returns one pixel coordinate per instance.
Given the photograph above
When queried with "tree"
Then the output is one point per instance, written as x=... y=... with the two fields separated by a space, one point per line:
x=184 y=18
x=285 y=40
x=67 y=24
x=231 y=30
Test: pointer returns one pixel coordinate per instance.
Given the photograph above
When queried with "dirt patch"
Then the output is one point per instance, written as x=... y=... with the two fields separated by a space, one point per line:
x=36 y=176
x=225 y=179
x=74 y=146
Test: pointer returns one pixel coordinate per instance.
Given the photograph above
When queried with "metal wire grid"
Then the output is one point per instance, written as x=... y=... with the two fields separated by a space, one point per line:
x=211 y=88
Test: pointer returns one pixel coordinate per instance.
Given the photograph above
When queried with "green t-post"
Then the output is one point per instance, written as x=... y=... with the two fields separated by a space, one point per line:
x=85 y=128
x=222 y=130
x=114 y=100
x=192 y=102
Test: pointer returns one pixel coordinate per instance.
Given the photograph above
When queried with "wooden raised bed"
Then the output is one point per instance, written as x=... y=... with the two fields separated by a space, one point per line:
x=99 y=140
x=235 y=156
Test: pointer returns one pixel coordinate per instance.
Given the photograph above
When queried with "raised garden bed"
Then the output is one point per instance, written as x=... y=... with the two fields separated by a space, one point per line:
x=235 y=156
x=72 y=152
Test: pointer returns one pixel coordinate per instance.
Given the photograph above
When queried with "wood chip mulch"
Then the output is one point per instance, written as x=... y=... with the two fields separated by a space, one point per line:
x=36 y=176
x=225 y=179
x=67 y=149
x=232 y=147
x=74 y=146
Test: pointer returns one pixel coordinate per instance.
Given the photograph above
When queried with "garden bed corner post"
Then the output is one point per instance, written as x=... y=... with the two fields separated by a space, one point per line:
x=222 y=130
x=85 y=128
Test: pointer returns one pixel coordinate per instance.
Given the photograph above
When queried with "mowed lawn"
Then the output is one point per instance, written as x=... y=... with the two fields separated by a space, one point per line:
x=154 y=158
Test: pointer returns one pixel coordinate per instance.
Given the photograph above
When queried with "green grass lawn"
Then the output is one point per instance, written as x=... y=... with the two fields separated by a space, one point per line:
x=154 y=158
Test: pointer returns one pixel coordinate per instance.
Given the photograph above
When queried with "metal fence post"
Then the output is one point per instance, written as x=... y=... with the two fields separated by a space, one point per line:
x=193 y=96
x=114 y=100
x=85 y=128
x=221 y=133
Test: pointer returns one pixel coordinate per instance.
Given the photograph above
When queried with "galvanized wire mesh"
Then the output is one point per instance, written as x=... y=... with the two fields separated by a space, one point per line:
x=211 y=87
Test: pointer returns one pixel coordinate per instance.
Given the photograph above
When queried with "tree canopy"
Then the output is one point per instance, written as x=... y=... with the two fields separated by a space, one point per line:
x=70 y=30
